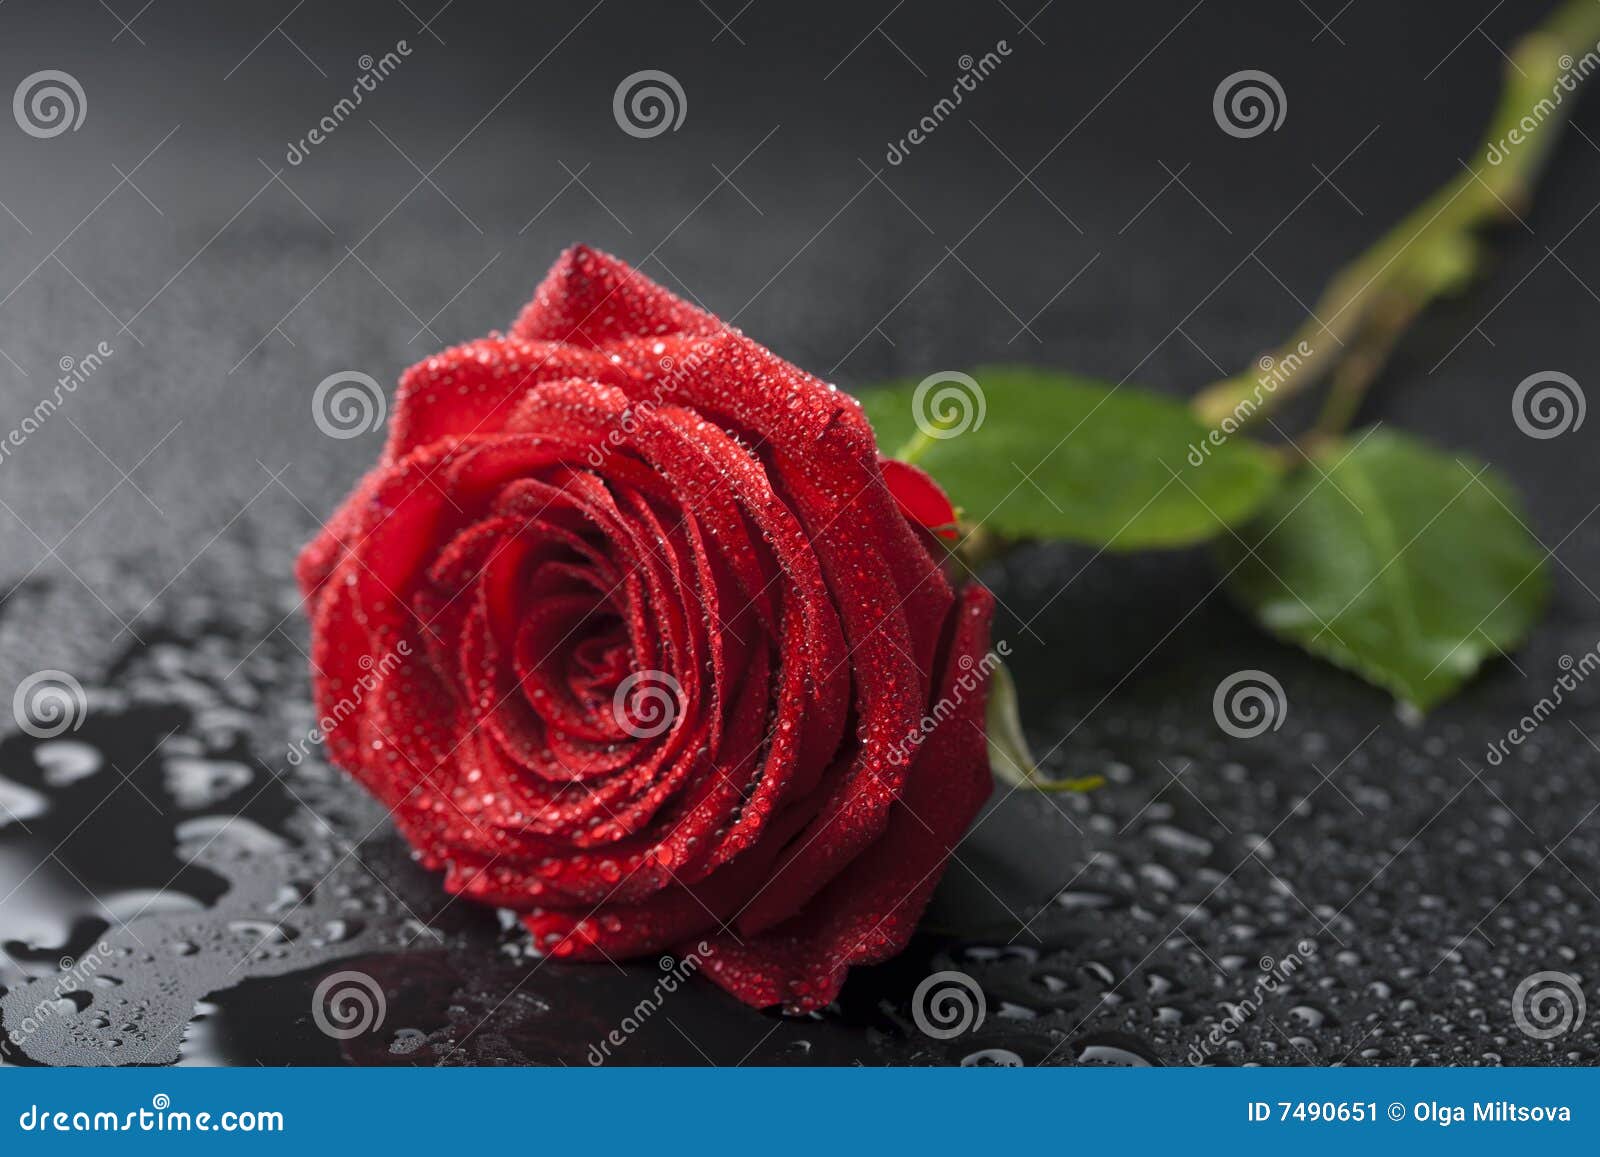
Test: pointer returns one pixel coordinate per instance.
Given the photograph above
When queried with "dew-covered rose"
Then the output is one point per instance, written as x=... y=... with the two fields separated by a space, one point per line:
x=684 y=661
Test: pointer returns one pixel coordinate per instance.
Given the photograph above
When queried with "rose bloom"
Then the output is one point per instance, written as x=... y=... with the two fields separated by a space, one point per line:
x=684 y=662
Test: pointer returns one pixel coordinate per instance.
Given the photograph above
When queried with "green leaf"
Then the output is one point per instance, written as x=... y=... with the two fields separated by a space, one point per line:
x=1031 y=453
x=1009 y=757
x=1402 y=564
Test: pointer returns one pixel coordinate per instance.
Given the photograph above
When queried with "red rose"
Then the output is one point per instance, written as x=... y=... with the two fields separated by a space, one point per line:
x=634 y=633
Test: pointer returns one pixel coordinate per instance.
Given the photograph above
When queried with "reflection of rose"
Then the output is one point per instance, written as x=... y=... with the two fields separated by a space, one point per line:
x=623 y=485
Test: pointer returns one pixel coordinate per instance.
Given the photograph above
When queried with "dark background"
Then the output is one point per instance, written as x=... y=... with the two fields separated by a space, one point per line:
x=1082 y=209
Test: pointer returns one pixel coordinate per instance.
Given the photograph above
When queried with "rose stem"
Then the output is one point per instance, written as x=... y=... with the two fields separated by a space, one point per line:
x=1435 y=250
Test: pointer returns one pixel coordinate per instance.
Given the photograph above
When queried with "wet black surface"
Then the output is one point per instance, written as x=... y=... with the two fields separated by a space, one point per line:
x=1407 y=885
x=1117 y=928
